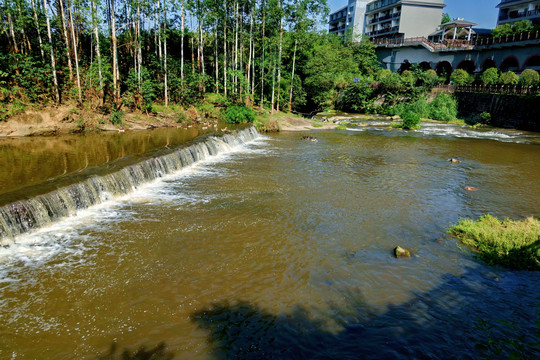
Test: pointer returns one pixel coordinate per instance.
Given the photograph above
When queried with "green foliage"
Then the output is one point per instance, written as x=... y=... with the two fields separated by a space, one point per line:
x=429 y=78
x=443 y=108
x=508 y=78
x=490 y=76
x=485 y=117
x=408 y=78
x=357 y=96
x=117 y=115
x=502 y=30
x=239 y=115
x=141 y=97
x=522 y=26
x=410 y=120
x=513 y=244
x=461 y=77
x=445 y=18
x=529 y=77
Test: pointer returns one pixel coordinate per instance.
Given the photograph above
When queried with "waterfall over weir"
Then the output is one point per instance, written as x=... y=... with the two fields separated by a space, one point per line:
x=25 y=215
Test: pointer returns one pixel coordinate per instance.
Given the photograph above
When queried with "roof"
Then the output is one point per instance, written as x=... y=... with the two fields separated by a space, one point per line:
x=459 y=23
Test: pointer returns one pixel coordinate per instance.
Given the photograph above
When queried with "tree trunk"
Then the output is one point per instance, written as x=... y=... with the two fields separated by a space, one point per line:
x=165 y=53
x=225 y=49
x=279 y=60
x=292 y=73
x=98 y=53
x=66 y=39
x=273 y=81
x=159 y=28
x=139 y=47
x=75 y=51
x=249 y=77
x=216 y=63
x=263 y=53
x=235 y=78
x=53 y=61
x=36 y=21
x=182 y=46
x=116 y=72
x=12 y=33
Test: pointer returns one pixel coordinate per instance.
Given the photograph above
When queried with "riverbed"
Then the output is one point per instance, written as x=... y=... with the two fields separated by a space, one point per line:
x=279 y=247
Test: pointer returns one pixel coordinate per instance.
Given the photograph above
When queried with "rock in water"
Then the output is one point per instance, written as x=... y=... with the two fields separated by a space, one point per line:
x=401 y=252
x=471 y=188
x=454 y=161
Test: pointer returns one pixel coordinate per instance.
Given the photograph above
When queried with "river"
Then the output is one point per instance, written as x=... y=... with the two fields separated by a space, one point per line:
x=274 y=247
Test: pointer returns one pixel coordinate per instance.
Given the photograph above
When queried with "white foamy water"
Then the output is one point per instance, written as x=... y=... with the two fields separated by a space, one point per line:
x=71 y=236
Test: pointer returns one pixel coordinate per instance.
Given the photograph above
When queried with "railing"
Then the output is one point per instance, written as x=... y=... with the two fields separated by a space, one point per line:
x=384 y=31
x=385 y=17
x=457 y=43
x=523 y=14
x=381 y=3
x=492 y=89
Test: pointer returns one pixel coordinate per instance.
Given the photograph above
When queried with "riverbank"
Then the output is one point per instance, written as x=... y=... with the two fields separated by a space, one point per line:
x=68 y=119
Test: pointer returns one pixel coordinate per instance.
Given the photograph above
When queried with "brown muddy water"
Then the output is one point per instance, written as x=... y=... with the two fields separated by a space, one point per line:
x=275 y=247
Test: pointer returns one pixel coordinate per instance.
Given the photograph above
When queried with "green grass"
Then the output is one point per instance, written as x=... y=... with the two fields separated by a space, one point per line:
x=317 y=125
x=510 y=243
x=341 y=127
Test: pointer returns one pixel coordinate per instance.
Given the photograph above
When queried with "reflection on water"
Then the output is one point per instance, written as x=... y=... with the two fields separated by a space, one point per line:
x=32 y=160
x=284 y=250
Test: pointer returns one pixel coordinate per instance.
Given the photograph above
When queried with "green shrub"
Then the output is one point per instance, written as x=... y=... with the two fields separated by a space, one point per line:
x=239 y=114
x=502 y=30
x=430 y=78
x=181 y=117
x=513 y=244
x=443 y=108
x=420 y=107
x=116 y=115
x=485 y=117
x=529 y=77
x=522 y=26
x=356 y=97
x=410 y=120
x=490 y=76
x=461 y=77
x=508 y=78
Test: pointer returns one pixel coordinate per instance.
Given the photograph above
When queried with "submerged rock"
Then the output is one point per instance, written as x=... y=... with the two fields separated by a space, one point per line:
x=400 y=252
x=471 y=188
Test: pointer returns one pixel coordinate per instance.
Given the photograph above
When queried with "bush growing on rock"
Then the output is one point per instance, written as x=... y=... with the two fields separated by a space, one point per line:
x=443 y=108
x=410 y=120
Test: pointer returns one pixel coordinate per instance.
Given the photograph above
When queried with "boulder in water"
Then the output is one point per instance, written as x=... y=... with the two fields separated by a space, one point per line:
x=471 y=188
x=400 y=252
x=454 y=161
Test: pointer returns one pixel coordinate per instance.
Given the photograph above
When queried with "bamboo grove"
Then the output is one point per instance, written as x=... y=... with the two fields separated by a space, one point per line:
x=137 y=52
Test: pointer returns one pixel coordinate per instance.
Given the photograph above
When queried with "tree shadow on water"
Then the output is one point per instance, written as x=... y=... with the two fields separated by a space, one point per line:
x=159 y=352
x=467 y=317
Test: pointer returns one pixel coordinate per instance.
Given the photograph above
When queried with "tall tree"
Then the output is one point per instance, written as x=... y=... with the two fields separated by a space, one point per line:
x=53 y=60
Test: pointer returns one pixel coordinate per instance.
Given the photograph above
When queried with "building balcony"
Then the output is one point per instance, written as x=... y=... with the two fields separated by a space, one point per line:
x=337 y=28
x=389 y=30
x=380 y=4
x=516 y=16
x=505 y=3
x=383 y=18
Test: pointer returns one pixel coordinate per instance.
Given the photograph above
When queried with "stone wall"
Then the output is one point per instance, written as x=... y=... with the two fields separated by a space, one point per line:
x=508 y=111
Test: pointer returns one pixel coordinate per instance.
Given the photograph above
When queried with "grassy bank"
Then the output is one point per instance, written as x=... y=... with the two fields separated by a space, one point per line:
x=510 y=243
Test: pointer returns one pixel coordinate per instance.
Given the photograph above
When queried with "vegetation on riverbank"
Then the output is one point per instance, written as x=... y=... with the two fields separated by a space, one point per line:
x=510 y=243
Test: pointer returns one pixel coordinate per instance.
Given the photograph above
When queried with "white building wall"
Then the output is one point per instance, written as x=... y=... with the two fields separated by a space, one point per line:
x=419 y=21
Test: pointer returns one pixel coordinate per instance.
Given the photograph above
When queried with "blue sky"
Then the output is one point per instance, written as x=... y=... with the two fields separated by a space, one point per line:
x=482 y=12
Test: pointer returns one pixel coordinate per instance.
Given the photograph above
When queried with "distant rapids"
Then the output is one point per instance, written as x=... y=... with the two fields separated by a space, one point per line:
x=26 y=215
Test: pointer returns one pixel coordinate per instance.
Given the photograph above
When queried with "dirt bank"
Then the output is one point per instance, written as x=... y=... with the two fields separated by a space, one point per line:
x=67 y=119
x=292 y=123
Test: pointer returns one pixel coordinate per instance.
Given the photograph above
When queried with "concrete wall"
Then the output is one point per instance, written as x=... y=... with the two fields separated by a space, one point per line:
x=359 y=17
x=392 y=58
x=510 y=111
x=418 y=21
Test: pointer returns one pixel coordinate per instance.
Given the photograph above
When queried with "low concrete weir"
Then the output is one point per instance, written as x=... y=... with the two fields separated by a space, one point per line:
x=26 y=215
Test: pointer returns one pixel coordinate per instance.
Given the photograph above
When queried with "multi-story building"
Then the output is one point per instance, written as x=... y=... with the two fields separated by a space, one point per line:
x=511 y=11
x=349 y=17
x=402 y=18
